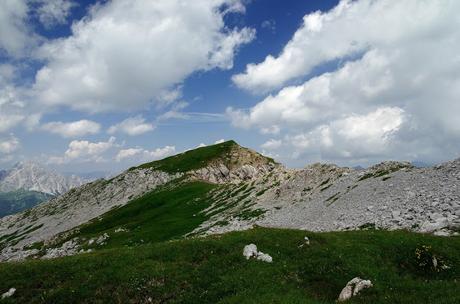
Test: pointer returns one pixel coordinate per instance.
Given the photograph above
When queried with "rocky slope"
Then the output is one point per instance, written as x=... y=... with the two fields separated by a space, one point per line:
x=254 y=190
x=321 y=197
x=32 y=176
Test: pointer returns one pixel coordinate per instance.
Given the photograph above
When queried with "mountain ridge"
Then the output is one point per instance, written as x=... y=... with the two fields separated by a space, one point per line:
x=250 y=190
x=91 y=200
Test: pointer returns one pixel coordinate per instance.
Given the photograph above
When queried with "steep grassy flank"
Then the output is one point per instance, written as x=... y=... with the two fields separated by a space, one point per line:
x=163 y=214
x=17 y=201
x=213 y=270
x=193 y=159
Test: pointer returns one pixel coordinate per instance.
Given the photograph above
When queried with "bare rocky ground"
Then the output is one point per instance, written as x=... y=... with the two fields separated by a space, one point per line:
x=321 y=197
x=254 y=191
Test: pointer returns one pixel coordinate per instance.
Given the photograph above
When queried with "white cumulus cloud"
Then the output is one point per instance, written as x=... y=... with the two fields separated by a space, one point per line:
x=140 y=154
x=72 y=129
x=132 y=126
x=9 y=144
x=51 y=12
x=272 y=144
x=15 y=34
x=80 y=151
x=395 y=94
x=348 y=29
x=353 y=137
x=125 y=54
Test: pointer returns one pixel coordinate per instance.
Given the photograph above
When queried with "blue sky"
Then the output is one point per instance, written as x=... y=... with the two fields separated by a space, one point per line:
x=103 y=85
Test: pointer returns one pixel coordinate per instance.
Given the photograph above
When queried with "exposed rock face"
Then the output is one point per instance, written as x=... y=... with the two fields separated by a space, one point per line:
x=353 y=288
x=34 y=177
x=321 y=197
x=220 y=174
x=239 y=165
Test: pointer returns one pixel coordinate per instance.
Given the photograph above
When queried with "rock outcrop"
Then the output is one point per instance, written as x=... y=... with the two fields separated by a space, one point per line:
x=220 y=174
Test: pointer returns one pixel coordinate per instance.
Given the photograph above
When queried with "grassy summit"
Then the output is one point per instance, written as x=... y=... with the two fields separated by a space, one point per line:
x=228 y=152
x=213 y=270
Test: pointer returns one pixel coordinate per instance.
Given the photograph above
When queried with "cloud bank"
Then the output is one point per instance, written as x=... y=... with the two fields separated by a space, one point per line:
x=395 y=94
x=127 y=55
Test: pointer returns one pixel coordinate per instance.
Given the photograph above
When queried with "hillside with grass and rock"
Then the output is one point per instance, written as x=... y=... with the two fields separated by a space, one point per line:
x=182 y=207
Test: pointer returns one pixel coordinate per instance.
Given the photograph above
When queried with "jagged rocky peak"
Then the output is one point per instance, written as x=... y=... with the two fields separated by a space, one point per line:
x=30 y=175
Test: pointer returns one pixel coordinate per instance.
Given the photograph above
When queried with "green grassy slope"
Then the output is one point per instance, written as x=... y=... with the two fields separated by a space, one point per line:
x=163 y=214
x=17 y=201
x=213 y=270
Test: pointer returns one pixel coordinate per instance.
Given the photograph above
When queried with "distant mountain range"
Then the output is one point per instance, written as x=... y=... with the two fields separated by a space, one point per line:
x=28 y=183
x=32 y=176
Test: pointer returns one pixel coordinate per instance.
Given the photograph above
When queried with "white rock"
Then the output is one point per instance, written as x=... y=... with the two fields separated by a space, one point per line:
x=439 y=224
x=363 y=284
x=442 y=232
x=9 y=293
x=353 y=288
x=102 y=238
x=396 y=214
x=250 y=251
x=264 y=257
